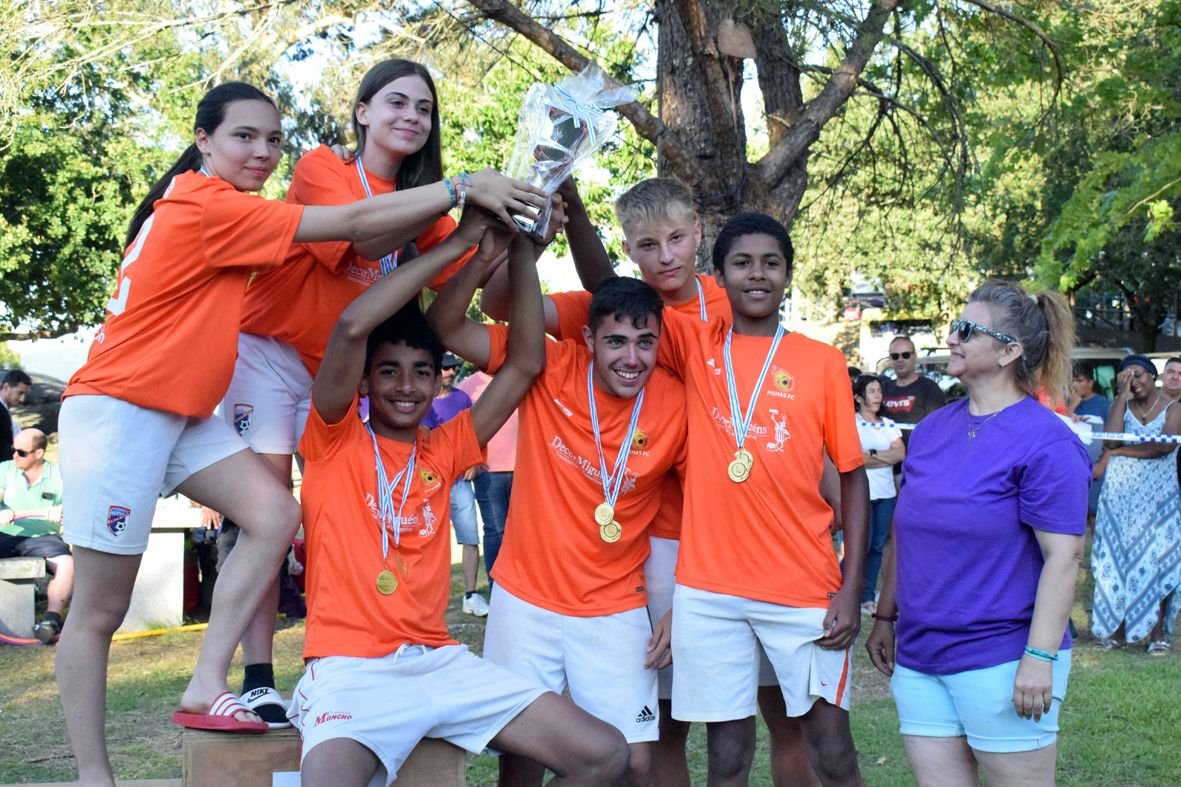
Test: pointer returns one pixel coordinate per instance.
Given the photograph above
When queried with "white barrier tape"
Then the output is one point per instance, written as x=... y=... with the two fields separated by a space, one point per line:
x=1085 y=436
x=1128 y=437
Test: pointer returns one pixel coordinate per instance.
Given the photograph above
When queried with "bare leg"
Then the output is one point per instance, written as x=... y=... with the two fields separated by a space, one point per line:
x=61 y=585
x=830 y=744
x=670 y=768
x=731 y=747
x=556 y=734
x=1019 y=769
x=104 y=585
x=790 y=766
x=242 y=488
x=340 y=762
x=941 y=762
x=639 y=765
x=471 y=566
x=258 y=639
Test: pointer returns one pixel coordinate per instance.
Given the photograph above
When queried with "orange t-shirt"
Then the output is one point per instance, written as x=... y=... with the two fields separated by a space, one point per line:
x=347 y=616
x=768 y=538
x=300 y=302
x=171 y=333
x=552 y=555
x=572 y=308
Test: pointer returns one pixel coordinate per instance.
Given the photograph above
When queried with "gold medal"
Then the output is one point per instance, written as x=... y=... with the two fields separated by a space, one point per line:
x=387 y=582
x=610 y=532
x=738 y=471
x=604 y=514
x=744 y=456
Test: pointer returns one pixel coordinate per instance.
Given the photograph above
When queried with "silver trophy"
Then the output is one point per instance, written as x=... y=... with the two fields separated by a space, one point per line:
x=559 y=125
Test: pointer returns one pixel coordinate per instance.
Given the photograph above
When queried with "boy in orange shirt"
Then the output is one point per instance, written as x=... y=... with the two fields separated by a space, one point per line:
x=382 y=670
x=756 y=564
x=598 y=432
x=661 y=236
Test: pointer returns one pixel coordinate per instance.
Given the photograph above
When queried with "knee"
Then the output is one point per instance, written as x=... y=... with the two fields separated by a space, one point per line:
x=730 y=752
x=605 y=756
x=834 y=758
x=276 y=519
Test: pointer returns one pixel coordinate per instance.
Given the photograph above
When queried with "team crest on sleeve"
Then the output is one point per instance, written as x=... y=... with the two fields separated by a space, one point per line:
x=242 y=413
x=117 y=517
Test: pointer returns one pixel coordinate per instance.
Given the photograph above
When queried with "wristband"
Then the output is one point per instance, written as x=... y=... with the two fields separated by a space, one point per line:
x=451 y=191
x=462 y=181
x=1040 y=655
x=888 y=618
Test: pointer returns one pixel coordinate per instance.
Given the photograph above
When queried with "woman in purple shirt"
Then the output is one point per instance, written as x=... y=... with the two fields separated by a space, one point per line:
x=988 y=536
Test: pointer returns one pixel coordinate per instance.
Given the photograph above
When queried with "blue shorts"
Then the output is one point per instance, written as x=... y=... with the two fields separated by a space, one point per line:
x=977 y=704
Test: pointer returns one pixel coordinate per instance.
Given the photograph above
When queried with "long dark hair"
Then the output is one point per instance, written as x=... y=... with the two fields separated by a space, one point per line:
x=211 y=112
x=426 y=164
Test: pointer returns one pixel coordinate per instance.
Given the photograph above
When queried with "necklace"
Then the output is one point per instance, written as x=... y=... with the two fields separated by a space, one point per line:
x=972 y=430
x=1143 y=416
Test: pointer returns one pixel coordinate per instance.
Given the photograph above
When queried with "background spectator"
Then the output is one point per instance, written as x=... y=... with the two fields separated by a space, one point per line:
x=13 y=390
x=1138 y=524
x=909 y=397
x=882 y=449
x=30 y=522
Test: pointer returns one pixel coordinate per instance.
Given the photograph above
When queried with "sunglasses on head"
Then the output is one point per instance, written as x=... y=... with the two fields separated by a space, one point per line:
x=22 y=453
x=896 y=356
x=965 y=329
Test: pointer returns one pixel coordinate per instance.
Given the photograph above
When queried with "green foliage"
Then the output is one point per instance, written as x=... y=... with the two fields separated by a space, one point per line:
x=9 y=358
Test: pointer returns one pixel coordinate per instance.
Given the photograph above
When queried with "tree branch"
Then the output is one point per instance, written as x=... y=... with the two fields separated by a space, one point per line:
x=824 y=106
x=1037 y=31
x=646 y=124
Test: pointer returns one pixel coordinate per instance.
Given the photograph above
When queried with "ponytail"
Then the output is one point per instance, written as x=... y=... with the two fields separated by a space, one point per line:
x=211 y=111
x=189 y=161
x=1056 y=366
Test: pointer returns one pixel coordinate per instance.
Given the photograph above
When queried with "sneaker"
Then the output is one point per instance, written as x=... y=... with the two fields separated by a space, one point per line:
x=47 y=631
x=475 y=605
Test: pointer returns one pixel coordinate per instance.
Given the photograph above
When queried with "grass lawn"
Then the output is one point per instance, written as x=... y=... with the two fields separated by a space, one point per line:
x=1120 y=723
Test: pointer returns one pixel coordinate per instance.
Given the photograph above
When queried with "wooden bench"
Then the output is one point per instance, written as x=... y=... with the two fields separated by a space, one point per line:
x=217 y=759
x=18 y=578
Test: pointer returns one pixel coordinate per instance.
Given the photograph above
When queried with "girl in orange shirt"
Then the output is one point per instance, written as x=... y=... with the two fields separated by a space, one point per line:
x=138 y=415
x=290 y=310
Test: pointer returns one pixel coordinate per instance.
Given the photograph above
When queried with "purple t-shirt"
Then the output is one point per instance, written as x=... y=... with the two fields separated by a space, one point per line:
x=444 y=408
x=967 y=557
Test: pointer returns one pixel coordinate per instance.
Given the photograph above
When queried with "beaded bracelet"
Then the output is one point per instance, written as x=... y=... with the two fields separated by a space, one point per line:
x=1040 y=655
x=451 y=191
x=462 y=181
x=888 y=618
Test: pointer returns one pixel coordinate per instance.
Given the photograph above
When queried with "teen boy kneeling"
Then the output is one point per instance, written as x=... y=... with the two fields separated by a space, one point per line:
x=382 y=671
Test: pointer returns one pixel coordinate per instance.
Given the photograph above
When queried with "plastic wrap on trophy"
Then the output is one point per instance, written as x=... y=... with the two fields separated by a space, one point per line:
x=560 y=125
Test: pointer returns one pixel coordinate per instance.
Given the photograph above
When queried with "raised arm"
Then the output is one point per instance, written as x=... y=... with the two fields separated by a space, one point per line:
x=496 y=301
x=391 y=216
x=590 y=258
x=344 y=359
x=526 y=344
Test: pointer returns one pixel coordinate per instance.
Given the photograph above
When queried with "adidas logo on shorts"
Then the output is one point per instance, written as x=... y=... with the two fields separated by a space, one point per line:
x=645 y=715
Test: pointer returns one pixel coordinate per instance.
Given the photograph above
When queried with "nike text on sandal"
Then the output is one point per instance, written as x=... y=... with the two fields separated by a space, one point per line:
x=269 y=706
x=220 y=717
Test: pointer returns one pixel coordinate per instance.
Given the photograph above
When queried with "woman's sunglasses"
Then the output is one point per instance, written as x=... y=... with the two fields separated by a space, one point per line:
x=965 y=329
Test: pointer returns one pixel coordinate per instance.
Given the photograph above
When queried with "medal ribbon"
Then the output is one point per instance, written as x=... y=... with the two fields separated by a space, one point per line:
x=613 y=482
x=701 y=299
x=742 y=422
x=389 y=261
x=385 y=494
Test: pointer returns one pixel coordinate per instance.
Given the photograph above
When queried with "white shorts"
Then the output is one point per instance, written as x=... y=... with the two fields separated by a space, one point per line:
x=660 y=579
x=600 y=659
x=389 y=704
x=714 y=639
x=117 y=458
x=269 y=397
